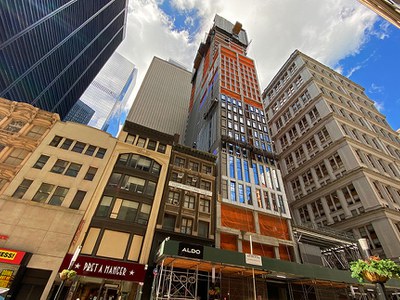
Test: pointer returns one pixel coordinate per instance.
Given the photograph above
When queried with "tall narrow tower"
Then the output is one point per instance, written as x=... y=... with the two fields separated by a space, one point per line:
x=226 y=118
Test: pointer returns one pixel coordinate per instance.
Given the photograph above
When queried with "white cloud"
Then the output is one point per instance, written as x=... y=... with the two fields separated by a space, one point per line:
x=380 y=106
x=376 y=88
x=326 y=30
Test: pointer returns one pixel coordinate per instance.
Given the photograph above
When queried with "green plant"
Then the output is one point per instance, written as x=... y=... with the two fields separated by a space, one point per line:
x=385 y=268
x=67 y=274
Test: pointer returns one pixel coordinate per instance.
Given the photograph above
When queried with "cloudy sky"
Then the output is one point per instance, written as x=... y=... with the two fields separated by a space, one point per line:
x=342 y=34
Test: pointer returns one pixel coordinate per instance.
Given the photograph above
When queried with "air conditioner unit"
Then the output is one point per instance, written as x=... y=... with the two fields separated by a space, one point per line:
x=175 y=202
x=194 y=179
x=180 y=175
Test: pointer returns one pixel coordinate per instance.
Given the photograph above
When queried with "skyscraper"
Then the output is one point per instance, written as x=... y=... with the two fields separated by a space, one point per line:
x=109 y=92
x=339 y=158
x=226 y=118
x=162 y=100
x=388 y=9
x=50 y=53
x=80 y=113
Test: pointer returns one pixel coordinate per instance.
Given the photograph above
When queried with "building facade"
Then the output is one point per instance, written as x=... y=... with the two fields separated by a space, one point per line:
x=22 y=128
x=226 y=118
x=44 y=204
x=64 y=46
x=109 y=92
x=338 y=156
x=165 y=85
x=80 y=113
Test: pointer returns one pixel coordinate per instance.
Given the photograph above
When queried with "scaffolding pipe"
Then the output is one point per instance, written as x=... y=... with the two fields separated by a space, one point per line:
x=252 y=269
x=159 y=279
x=170 y=281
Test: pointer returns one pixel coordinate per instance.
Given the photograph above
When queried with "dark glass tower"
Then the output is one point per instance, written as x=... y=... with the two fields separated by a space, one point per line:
x=51 y=51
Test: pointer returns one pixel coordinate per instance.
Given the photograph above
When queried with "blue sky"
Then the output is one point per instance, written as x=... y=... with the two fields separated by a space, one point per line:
x=379 y=64
x=342 y=34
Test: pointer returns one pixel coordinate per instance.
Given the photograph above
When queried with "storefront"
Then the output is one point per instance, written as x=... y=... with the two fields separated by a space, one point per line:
x=11 y=262
x=104 y=279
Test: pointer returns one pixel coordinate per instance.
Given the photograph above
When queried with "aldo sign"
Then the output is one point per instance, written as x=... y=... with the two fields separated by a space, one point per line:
x=190 y=250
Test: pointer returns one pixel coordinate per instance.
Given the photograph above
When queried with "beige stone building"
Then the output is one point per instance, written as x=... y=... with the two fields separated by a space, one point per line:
x=339 y=158
x=22 y=128
x=118 y=227
x=388 y=9
x=44 y=204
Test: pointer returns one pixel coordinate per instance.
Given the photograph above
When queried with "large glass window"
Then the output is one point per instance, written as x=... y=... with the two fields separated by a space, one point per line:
x=248 y=196
x=169 y=222
x=133 y=184
x=239 y=169
x=14 y=126
x=204 y=205
x=78 y=147
x=78 y=199
x=101 y=152
x=241 y=193
x=16 y=157
x=233 y=191
x=231 y=167
x=91 y=172
x=56 y=141
x=173 y=197
x=203 y=229
x=246 y=171
x=36 y=132
x=104 y=206
x=114 y=180
x=256 y=180
x=144 y=214
x=67 y=144
x=128 y=211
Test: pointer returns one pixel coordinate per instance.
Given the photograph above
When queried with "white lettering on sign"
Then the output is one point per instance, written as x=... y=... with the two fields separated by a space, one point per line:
x=105 y=269
x=192 y=251
x=189 y=188
x=253 y=259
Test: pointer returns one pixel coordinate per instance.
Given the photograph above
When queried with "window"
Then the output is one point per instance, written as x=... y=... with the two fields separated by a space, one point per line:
x=205 y=185
x=203 y=229
x=174 y=198
x=101 y=152
x=36 y=132
x=67 y=144
x=23 y=187
x=206 y=169
x=161 y=148
x=194 y=166
x=90 y=150
x=144 y=214
x=233 y=191
x=78 y=147
x=186 y=226
x=152 y=145
x=16 y=157
x=241 y=193
x=169 y=222
x=90 y=173
x=78 y=199
x=204 y=205
x=59 y=166
x=128 y=210
x=141 y=142
x=130 y=139
x=248 y=196
x=179 y=161
x=133 y=184
x=104 y=206
x=14 y=126
x=190 y=201
x=73 y=170
x=58 y=196
x=43 y=192
x=39 y=164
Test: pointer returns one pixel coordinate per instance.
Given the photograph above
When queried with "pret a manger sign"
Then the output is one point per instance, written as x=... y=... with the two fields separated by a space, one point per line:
x=106 y=268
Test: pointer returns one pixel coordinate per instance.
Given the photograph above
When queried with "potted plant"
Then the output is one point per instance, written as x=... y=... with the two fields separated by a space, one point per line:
x=374 y=270
x=67 y=274
x=214 y=292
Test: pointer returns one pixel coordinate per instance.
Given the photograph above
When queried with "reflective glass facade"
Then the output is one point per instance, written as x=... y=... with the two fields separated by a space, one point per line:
x=50 y=53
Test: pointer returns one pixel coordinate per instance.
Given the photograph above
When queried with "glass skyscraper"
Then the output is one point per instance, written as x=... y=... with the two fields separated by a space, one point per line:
x=50 y=53
x=109 y=92
x=80 y=113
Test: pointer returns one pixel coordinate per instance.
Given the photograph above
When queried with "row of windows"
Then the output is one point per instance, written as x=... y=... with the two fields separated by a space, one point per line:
x=132 y=184
x=123 y=210
x=186 y=225
x=146 y=143
x=190 y=200
x=14 y=126
x=65 y=167
x=139 y=162
x=383 y=166
x=328 y=209
x=50 y=194
x=281 y=82
x=78 y=147
x=192 y=165
x=388 y=193
x=191 y=180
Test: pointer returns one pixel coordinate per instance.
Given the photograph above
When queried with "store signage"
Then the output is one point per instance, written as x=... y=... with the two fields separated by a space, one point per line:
x=106 y=268
x=190 y=250
x=11 y=256
x=252 y=259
